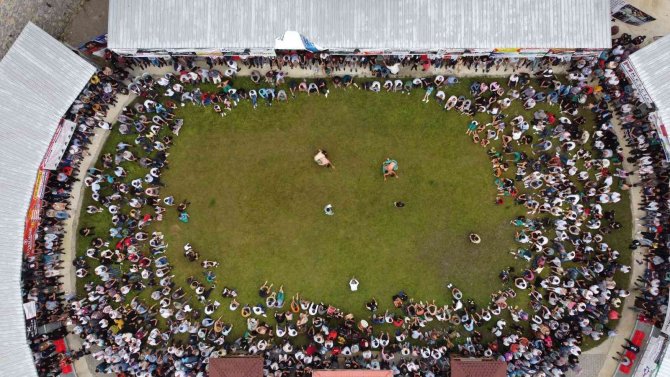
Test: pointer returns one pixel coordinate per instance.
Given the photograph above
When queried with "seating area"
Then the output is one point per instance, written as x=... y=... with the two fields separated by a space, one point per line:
x=169 y=207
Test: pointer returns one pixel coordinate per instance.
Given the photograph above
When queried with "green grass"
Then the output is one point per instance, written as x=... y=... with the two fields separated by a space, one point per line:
x=258 y=197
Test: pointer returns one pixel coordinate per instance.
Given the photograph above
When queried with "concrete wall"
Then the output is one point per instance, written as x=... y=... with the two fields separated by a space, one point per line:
x=51 y=15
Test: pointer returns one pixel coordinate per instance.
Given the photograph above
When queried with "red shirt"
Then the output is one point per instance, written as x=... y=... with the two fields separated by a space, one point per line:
x=551 y=118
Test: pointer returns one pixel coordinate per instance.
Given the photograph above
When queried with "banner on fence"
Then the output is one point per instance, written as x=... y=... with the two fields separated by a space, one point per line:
x=647 y=364
x=58 y=144
x=30 y=309
x=634 y=78
x=34 y=213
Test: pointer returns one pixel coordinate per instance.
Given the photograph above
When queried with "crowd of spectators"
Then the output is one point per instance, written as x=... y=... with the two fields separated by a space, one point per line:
x=544 y=159
x=42 y=270
x=653 y=179
x=323 y=63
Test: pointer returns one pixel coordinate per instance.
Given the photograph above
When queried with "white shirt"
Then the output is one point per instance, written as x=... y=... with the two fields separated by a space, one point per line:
x=353 y=284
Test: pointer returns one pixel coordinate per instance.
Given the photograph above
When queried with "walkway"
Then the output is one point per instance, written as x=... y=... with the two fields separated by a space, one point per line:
x=628 y=317
x=85 y=366
x=404 y=72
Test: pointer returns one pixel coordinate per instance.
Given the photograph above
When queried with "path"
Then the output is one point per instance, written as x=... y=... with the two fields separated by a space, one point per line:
x=84 y=366
x=628 y=317
x=87 y=23
x=404 y=72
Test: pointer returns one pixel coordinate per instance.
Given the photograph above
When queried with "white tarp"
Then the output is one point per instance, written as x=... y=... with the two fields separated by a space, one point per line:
x=30 y=309
x=292 y=40
x=39 y=80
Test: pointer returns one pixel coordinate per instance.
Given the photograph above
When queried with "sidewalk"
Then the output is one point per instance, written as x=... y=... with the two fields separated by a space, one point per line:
x=628 y=316
x=85 y=366
x=87 y=23
x=404 y=72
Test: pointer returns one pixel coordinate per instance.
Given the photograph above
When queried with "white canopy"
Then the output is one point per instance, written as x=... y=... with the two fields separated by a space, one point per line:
x=39 y=80
x=292 y=40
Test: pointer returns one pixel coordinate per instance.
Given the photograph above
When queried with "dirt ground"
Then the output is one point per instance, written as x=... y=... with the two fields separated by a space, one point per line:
x=88 y=22
x=659 y=9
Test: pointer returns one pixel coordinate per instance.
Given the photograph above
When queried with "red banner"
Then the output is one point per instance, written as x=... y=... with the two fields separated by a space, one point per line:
x=34 y=213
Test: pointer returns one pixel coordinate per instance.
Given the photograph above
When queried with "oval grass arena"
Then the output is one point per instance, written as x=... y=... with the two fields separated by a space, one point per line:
x=257 y=200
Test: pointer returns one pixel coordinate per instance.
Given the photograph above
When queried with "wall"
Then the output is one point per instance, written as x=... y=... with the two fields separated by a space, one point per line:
x=51 y=15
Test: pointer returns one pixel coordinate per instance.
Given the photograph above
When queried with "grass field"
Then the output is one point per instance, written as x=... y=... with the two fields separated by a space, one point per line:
x=258 y=197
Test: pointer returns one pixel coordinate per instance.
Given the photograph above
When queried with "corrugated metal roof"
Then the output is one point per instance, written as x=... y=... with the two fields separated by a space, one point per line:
x=39 y=80
x=349 y=24
x=664 y=364
x=652 y=65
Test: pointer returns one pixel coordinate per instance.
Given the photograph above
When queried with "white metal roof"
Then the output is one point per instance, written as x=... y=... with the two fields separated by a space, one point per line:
x=652 y=66
x=349 y=24
x=664 y=364
x=39 y=80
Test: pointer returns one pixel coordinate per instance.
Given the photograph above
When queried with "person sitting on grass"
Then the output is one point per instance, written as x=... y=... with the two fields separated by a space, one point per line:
x=265 y=289
x=353 y=284
x=472 y=127
x=474 y=238
x=184 y=217
x=390 y=168
x=429 y=91
x=372 y=305
x=321 y=159
x=451 y=103
x=312 y=88
x=183 y=206
x=280 y=297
